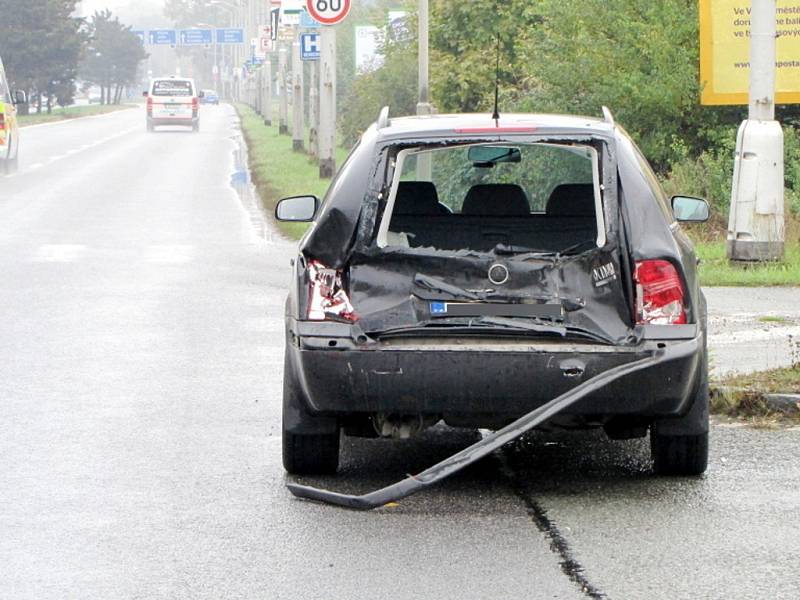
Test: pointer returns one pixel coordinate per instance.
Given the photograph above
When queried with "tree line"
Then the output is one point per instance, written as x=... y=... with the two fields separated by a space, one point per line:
x=47 y=50
x=638 y=57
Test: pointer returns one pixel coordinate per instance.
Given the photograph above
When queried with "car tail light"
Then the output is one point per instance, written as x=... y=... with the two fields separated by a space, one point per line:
x=659 y=293
x=149 y=106
x=327 y=297
x=195 y=103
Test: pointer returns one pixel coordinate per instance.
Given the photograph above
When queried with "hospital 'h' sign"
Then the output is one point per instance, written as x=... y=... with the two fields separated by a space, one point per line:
x=310 y=46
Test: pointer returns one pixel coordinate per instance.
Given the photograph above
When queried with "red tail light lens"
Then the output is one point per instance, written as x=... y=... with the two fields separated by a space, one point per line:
x=659 y=293
x=327 y=297
x=149 y=105
x=195 y=103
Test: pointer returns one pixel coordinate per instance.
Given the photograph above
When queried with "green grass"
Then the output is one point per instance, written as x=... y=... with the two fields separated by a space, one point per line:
x=715 y=270
x=72 y=112
x=742 y=396
x=774 y=381
x=278 y=171
x=772 y=319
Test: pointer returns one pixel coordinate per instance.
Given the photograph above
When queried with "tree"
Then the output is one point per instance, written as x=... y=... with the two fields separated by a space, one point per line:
x=41 y=44
x=113 y=56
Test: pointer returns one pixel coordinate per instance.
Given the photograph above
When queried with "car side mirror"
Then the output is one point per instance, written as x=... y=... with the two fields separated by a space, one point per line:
x=201 y=94
x=145 y=93
x=20 y=97
x=297 y=209
x=691 y=210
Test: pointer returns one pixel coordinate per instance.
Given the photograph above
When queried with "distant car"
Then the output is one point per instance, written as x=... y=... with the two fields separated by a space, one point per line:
x=470 y=269
x=9 y=127
x=173 y=101
x=210 y=97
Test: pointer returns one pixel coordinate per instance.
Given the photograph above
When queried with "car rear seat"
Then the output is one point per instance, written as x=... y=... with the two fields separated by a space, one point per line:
x=493 y=214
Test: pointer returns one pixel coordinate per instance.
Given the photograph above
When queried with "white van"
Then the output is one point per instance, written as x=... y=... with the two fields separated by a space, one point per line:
x=173 y=101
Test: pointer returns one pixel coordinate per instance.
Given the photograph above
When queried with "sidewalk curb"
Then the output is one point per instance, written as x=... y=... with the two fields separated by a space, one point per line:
x=70 y=119
x=785 y=403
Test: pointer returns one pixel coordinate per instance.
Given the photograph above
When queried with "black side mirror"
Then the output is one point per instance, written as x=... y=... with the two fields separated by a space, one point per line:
x=201 y=94
x=297 y=209
x=145 y=93
x=20 y=97
x=691 y=210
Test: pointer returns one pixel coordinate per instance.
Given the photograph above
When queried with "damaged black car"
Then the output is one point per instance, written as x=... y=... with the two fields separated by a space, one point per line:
x=468 y=269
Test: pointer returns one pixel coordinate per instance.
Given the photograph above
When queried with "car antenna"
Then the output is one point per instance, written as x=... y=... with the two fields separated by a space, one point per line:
x=496 y=114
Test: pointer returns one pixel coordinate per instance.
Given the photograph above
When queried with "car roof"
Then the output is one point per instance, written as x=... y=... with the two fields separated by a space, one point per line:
x=472 y=125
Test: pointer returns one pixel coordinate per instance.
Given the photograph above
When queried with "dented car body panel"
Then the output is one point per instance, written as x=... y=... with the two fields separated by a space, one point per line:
x=433 y=331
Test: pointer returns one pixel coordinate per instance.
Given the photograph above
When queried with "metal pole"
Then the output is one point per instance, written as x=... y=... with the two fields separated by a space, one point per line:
x=756 y=222
x=298 y=122
x=283 y=123
x=327 y=103
x=424 y=167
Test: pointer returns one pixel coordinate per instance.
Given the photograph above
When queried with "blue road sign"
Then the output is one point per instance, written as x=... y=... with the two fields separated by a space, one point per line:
x=139 y=34
x=195 y=37
x=230 y=36
x=308 y=22
x=158 y=37
x=309 y=46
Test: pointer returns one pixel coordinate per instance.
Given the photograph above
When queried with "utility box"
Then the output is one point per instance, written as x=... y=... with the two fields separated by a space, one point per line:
x=756 y=225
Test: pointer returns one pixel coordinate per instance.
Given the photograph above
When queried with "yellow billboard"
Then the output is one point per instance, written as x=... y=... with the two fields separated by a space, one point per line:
x=725 y=51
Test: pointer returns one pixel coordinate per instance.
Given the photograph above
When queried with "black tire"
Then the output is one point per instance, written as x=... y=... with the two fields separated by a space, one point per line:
x=305 y=453
x=679 y=454
x=195 y=127
x=310 y=454
x=150 y=127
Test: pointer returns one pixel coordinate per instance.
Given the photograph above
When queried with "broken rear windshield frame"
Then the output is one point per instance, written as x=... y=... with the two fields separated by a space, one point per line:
x=397 y=164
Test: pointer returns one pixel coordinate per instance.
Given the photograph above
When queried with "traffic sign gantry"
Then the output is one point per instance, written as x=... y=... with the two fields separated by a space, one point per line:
x=162 y=36
x=230 y=36
x=328 y=12
x=195 y=37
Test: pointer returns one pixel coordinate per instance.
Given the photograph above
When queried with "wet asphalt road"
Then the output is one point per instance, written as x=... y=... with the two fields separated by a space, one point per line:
x=140 y=377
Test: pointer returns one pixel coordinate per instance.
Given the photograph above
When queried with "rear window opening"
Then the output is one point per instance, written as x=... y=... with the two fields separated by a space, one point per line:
x=505 y=197
x=172 y=87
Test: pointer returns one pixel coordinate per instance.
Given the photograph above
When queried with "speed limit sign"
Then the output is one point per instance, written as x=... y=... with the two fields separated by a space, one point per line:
x=328 y=12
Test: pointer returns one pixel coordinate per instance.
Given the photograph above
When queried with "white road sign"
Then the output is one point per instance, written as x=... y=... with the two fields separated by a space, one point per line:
x=328 y=12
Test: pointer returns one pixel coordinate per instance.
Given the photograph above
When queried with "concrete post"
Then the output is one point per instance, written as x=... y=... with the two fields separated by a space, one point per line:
x=327 y=103
x=283 y=121
x=298 y=120
x=756 y=222
x=268 y=91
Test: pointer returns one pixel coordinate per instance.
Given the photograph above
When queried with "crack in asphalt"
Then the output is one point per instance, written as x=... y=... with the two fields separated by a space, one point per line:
x=558 y=543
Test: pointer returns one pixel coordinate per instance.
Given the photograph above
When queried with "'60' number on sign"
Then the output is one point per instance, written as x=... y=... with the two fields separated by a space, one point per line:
x=328 y=12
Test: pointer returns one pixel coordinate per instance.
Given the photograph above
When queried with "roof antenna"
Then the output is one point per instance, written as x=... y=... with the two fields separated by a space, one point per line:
x=496 y=114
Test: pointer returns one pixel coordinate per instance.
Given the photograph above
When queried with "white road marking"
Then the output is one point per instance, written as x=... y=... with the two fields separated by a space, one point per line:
x=35 y=166
x=59 y=253
x=169 y=254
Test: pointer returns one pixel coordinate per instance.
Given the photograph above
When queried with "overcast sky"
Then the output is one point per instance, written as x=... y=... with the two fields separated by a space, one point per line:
x=130 y=12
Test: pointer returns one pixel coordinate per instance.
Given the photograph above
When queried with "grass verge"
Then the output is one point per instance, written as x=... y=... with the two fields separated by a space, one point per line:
x=715 y=270
x=277 y=170
x=71 y=112
x=743 y=396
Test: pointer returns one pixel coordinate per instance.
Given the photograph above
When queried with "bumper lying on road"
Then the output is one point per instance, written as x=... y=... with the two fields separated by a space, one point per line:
x=475 y=382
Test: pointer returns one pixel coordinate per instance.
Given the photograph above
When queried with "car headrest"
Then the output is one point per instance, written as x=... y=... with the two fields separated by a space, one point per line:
x=571 y=200
x=417 y=198
x=496 y=199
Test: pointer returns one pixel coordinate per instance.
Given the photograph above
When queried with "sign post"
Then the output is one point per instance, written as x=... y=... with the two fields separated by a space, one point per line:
x=738 y=44
x=327 y=12
x=283 y=113
x=298 y=122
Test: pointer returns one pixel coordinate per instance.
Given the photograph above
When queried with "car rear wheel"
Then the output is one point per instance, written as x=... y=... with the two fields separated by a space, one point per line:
x=679 y=454
x=195 y=127
x=684 y=454
x=150 y=127
x=305 y=453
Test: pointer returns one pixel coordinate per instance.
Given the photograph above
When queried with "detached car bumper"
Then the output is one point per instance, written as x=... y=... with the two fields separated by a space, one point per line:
x=473 y=381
